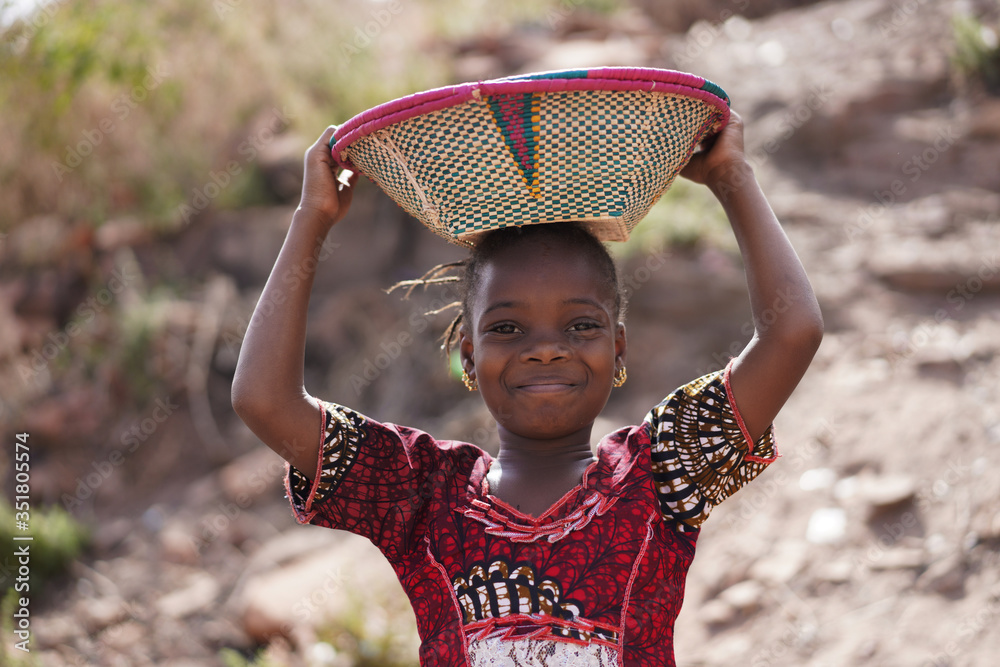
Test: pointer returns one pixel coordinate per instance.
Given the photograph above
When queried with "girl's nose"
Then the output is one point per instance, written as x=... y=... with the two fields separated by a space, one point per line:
x=545 y=347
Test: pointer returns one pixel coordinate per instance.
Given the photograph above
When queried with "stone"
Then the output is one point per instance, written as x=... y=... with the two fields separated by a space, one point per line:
x=177 y=543
x=881 y=494
x=899 y=558
x=56 y=630
x=299 y=593
x=827 y=525
x=98 y=613
x=745 y=596
x=252 y=475
x=280 y=166
x=786 y=559
x=945 y=577
x=716 y=613
x=199 y=593
x=122 y=232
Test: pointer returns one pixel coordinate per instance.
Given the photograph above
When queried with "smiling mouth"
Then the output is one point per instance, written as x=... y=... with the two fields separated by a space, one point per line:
x=546 y=386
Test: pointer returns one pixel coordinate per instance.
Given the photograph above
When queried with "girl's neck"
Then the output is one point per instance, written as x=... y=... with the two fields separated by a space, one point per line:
x=531 y=475
x=524 y=456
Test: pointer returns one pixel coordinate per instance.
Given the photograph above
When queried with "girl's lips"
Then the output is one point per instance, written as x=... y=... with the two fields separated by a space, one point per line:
x=546 y=385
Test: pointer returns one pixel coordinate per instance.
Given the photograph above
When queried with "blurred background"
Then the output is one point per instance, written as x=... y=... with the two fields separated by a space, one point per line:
x=150 y=158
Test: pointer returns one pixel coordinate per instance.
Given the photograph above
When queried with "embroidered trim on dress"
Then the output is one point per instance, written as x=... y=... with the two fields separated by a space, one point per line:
x=341 y=439
x=501 y=525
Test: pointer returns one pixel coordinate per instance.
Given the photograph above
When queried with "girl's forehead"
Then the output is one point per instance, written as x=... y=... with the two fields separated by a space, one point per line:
x=539 y=272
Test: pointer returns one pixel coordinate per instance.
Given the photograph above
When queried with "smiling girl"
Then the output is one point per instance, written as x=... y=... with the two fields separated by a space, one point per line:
x=548 y=554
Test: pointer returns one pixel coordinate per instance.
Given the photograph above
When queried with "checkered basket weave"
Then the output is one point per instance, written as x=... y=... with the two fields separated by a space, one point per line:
x=598 y=146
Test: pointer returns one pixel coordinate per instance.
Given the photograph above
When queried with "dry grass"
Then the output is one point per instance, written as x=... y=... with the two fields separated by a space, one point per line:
x=117 y=109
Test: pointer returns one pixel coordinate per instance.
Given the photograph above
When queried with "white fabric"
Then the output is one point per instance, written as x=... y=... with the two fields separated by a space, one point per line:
x=498 y=652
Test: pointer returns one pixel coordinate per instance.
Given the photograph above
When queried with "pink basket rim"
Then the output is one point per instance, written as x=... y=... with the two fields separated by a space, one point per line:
x=599 y=78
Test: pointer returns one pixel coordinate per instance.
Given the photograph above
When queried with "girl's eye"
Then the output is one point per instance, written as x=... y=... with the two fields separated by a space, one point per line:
x=503 y=328
x=584 y=326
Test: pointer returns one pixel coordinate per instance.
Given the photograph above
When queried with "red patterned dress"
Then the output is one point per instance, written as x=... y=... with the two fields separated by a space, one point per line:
x=597 y=580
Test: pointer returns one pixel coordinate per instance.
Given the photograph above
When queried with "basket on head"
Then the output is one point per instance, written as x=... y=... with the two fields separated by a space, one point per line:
x=597 y=146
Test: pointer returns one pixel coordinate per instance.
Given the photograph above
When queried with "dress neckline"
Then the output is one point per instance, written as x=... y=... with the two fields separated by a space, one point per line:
x=563 y=503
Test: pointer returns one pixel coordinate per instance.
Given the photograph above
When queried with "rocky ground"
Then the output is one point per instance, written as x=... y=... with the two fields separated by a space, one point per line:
x=875 y=540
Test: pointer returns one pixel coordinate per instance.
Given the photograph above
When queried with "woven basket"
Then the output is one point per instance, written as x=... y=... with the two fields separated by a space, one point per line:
x=598 y=146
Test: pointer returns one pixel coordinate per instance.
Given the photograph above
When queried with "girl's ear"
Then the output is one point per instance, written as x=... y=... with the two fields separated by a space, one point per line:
x=621 y=345
x=466 y=350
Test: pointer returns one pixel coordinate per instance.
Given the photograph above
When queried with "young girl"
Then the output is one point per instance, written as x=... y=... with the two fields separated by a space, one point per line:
x=546 y=555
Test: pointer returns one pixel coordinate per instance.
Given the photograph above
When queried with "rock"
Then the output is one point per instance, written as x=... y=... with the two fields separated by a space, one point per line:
x=899 y=558
x=745 y=596
x=122 y=232
x=817 y=478
x=827 y=525
x=123 y=636
x=945 y=577
x=280 y=165
x=348 y=578
x=57 y=629
x=782 y=564
x=885 y=492
x=717 y=613
x=985 y=120
x=97 y=614
x=679 y=15
x=178 y=543
x=198 y=594
x=836 y=572
x=580 y=53
x=252 y=475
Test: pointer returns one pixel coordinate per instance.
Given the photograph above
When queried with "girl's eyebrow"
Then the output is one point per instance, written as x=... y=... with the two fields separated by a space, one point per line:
x=583 y=301
x=504 y=304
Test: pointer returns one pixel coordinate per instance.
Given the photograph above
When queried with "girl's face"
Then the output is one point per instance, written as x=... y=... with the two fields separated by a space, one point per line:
x=543 y=340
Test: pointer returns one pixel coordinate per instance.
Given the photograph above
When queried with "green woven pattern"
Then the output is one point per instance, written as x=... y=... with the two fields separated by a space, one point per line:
x=601 y=157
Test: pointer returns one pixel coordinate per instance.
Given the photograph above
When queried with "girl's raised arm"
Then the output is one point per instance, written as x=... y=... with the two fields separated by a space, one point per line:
x=268 y=390
x=787 y=320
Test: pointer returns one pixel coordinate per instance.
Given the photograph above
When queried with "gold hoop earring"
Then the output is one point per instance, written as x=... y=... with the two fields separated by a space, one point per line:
x=470 y=383
x=620 y=377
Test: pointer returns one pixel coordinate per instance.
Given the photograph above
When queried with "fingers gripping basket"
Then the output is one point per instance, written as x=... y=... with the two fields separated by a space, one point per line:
x=598 y=146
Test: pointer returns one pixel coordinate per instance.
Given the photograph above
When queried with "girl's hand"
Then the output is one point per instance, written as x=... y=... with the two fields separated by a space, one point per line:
x=724 y=151
x=322 y=193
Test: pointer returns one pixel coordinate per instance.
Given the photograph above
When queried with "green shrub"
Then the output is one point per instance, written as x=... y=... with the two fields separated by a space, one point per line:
x=976 y=56
x=57 y=538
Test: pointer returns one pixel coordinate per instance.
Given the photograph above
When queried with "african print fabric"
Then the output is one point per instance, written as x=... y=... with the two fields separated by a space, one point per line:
x=596 y=580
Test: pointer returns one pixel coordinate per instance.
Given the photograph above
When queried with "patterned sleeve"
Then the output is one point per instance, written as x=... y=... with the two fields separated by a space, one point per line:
x=375 y=480
x=701 y=451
